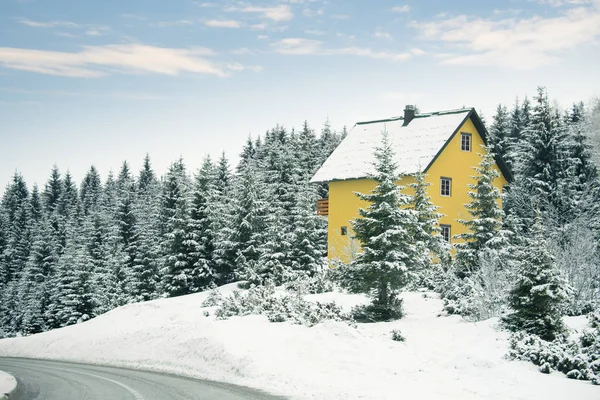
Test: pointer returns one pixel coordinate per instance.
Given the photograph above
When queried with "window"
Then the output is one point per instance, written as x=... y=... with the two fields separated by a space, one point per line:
x=445 y=232
x=465 y=141
x=445 y=186
x=344 y=230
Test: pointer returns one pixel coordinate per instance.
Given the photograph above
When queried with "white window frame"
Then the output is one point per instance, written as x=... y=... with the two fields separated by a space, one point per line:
x=442 y=179
x=469 y=141
x=448 y=228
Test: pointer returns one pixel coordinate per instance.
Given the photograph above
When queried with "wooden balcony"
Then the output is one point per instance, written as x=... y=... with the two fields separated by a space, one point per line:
x=323 y=207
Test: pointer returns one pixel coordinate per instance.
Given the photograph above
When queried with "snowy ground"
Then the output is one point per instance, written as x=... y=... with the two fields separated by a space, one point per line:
x=442 y=358
x=7 y=384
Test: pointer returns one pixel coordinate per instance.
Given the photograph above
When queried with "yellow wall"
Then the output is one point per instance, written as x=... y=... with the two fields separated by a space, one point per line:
x=451 y=163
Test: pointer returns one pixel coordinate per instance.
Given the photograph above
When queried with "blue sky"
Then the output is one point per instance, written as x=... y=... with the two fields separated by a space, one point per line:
x=100 y=82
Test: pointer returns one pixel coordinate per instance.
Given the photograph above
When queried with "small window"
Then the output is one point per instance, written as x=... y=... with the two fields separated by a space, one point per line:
x=465 y=141
x=445 y=232
x=344 y=230
x=445 y=186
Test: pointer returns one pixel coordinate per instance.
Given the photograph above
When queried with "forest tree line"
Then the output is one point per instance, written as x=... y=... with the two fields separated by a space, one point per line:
x=70 y=252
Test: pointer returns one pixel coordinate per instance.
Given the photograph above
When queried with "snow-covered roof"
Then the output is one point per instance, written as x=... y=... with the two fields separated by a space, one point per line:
x=415 y=145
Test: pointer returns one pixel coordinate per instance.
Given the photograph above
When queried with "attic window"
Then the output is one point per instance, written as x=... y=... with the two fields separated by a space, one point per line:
x=445 y=232
x=445 y=186
x=465 y=141
x=344 y=230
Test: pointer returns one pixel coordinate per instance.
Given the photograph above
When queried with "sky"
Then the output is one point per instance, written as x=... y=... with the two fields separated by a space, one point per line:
x=98 y=82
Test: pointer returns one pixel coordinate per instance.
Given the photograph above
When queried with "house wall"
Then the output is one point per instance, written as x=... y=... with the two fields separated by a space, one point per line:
x=451 y=163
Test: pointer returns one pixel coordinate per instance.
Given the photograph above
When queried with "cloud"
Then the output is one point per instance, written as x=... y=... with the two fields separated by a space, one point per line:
x=525 y=43
x=560 y=3
x=383 y=35
x=240 y=67
x=278 y=13
x=315 y=32
x=96 y=61
x=401 y=9
x=213 y=23
x=49 y=24
x=302 y=46
x=166 y=24
x=307 y=12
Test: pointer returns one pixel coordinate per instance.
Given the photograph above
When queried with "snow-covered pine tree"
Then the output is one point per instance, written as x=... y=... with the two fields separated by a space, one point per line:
x=307 y=152
x=34 y=286
x=72 y=295
x=52 y=190
x=427 y=230
x=484 y=226
x=144 y=276
x=500 y=133
x=542 y=154
x=203 y=226
x=242 y=241
x=247 y=155
x=90 y=191
x=309 y=243
x=385 y=230
x=177 y=272
x=538 y=296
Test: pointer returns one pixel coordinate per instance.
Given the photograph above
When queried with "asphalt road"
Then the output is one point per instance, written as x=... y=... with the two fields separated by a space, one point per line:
x=52 y=380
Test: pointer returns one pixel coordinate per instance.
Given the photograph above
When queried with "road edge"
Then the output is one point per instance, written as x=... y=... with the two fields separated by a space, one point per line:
x=12 y=391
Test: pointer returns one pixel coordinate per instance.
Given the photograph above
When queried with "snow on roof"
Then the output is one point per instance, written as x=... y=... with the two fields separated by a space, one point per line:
x=415 y=145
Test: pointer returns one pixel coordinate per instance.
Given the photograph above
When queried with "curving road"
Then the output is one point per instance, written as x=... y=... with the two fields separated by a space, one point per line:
x=53 y=380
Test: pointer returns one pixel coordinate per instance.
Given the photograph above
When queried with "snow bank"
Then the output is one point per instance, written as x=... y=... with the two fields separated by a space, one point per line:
x=8 y=384
x=442 y=358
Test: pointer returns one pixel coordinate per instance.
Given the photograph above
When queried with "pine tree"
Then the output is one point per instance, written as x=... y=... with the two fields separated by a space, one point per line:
x=428 y=231
x=309 y=242
x=384 y=230
x=52 y=190
x=484 y=226
x=540 y=291
x=90 y=191
x=34 y=287
x=500 y=133
x=241 y=242
x=144 y=279
x=178 y=270
x=202 y=227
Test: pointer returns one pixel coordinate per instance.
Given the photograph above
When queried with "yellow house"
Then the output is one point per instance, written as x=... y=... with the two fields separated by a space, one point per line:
x=445 y=145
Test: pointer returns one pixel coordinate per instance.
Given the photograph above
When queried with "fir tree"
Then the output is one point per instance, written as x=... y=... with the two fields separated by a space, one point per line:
x=203 y=226
x=484 y=226
x=52 y=190
x=540 y=291
x=384 y=230
x=242 y=240
x=178 y=270
x=90 y=191
x=309 y=243
x=428 y=231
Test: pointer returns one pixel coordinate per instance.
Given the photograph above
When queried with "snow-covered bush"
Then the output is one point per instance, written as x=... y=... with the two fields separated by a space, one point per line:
x=278 y=307
x=397 y=336
x=374 y=312
x=482 y=295
x=577 y=359
x=576 y=251
x=214 y=298
x=322 y=282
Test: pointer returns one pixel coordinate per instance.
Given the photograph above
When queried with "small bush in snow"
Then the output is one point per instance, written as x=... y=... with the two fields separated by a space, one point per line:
x=374 y=312
x=214 y=298
x=206 y=314
x=577 y=359
x=398 y=336
x=321 y=282
x=263 y=300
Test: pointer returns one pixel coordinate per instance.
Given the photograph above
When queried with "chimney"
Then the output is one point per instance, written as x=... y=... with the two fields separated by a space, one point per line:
x=409 y=114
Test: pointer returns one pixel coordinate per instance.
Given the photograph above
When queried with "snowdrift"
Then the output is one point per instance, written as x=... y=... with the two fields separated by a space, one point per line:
x=442 y=358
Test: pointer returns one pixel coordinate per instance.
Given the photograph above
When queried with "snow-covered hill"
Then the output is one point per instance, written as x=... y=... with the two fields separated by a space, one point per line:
x=442 y=358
